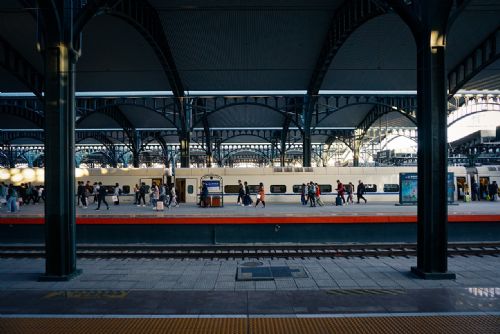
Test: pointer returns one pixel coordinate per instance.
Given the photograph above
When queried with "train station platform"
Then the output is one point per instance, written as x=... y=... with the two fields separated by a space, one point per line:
x=252 y=295
x=320 y=295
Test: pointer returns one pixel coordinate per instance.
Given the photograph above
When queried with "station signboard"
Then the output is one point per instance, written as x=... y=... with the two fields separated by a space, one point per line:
x=213 y=186
x=408 y=188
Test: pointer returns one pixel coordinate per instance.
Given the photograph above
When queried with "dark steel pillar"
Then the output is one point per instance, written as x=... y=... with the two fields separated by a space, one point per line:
x=60 y=246
x=283 y=149
x=185 y=112
x=185 y=153
x=432 y=257
x=306 y=139
x=355 y=154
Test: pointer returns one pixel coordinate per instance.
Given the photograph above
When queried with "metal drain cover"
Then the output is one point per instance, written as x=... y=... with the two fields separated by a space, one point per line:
x=252 y=264
x=269 y=273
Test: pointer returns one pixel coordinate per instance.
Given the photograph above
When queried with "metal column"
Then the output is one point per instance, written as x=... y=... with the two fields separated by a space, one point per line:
x=306 y=123
x=432 y=257
x=59 y=110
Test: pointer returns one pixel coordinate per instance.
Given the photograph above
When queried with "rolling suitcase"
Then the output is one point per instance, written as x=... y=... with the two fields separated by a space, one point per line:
x=319 y=201
x=338 y=201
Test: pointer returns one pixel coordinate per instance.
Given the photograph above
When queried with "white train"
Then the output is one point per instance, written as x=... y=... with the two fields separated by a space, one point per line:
x=282 y=184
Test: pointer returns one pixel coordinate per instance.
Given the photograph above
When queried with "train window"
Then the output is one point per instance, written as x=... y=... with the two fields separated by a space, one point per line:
x=254 y=188
x=297 y=188
x=370 y=188
x=278 y=189
x=126 y=189
x=325 y=188
x=391 y=188
x=231 y=189
x=190 y=189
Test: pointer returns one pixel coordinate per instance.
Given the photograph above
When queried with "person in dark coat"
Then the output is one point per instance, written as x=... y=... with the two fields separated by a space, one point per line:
x=101 y=197
x=361 y=191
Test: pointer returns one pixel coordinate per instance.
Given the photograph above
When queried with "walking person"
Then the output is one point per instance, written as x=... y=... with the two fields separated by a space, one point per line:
x=3 y=193
x=116 y=194
x=95 y=192
x=349 y=188
x=261 y=196
x=142 y=195
x=493 y=191
x=173 y=196
x=101 y=197
x=311 y=191
x=81 y=194
x=29 y=194
x=361 y=191
x=241 y=193
x=340 y=191
x=319 y=201
x=88 y=192
x=12 y=199
x=136 y=194
x=247 y=200
x=303 y=194
x=155 y=195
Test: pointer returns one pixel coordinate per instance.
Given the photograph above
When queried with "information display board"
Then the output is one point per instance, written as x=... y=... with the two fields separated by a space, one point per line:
x=214 y=185
x=408 y=188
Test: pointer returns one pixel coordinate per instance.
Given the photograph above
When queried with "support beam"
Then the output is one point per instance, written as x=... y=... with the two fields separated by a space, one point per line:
x=432 y=238
x=59 y=144
x=12 y=61
x=483 y=55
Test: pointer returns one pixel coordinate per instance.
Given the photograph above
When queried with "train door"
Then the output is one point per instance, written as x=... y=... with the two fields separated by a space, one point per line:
x=461 y=184
x=180 y=189
x=191 y=190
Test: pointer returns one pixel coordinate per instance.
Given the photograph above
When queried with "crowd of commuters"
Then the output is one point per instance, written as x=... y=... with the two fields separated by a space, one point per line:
x=14 y=196
x=97 y=193
x=311 y=193
x=484 y=190
x=164 y=195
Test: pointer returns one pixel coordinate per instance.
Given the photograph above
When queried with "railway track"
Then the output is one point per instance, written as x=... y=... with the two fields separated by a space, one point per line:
x=251 y=251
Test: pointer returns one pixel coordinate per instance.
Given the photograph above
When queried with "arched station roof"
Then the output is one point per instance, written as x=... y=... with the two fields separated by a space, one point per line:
x=190 y=46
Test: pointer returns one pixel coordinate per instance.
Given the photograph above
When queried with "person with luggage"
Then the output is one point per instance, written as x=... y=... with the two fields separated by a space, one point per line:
x=116 y=194
x=247 y=200
x=173 y=197
x=361 y=191
x=241 y=193
x=340 y=191
x=261 y=196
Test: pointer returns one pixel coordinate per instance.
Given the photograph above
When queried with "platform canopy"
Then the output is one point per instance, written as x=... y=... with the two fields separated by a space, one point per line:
x=332 y=52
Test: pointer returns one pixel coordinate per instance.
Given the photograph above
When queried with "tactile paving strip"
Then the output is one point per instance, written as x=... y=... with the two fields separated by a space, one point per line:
x=354 y=325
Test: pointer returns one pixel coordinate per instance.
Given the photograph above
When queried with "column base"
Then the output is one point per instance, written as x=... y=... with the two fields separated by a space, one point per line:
x=435 y=276
x=55 y=278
